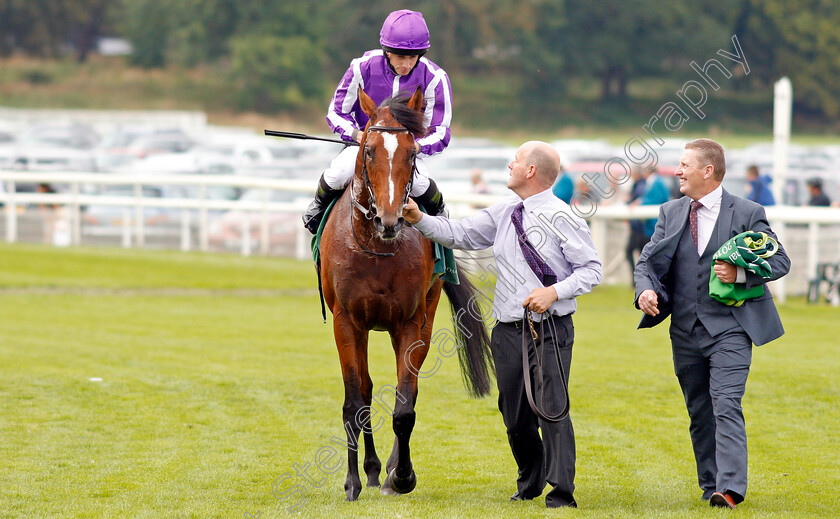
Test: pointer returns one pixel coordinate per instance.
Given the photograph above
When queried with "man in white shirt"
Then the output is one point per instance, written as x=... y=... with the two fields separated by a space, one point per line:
x=711 y=342
x=564 y=266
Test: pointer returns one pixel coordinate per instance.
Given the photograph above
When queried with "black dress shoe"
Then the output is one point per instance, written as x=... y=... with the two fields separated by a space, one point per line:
x=560 y=504
x=722 y=501
x=519 y=497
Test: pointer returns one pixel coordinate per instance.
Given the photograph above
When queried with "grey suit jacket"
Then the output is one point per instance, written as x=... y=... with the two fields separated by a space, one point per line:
x=758 y=317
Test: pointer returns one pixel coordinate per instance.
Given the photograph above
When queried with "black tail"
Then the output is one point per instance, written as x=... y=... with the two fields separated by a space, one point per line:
x=474 y=353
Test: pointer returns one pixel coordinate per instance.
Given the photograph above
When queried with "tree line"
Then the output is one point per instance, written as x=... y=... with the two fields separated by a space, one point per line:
x=279 y=54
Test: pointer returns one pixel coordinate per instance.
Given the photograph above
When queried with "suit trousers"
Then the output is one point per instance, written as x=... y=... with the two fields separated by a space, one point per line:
x=712 y=372
x=550 y=458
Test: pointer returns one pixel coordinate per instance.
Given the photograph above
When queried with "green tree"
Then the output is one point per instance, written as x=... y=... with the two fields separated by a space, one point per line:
x=201 y=30
x=269 y=74
x=616 y=40
x=804 y=43
x=148 y=26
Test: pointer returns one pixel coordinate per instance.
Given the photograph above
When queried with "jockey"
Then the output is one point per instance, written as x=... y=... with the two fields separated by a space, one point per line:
x=399 y=66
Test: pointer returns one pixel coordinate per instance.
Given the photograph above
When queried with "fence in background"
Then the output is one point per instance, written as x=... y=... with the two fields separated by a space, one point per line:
x=811 y=235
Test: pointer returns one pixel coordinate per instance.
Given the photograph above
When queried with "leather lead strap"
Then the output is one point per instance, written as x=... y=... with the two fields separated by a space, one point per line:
x=527 y=340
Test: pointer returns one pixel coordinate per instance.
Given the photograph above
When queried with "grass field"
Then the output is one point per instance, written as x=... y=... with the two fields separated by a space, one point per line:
x=218 y=377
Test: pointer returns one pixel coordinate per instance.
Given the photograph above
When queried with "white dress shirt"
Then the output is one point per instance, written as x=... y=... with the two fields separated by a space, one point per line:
x=561 y=238
x=707 y=216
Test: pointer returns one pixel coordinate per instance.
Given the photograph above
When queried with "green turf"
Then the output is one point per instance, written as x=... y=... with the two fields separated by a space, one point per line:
x=218 y=377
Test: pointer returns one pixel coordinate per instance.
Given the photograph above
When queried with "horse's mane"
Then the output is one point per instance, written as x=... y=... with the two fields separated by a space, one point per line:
x=411 y=119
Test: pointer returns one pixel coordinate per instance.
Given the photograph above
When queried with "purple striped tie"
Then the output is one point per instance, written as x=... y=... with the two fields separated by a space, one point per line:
x=537 y=264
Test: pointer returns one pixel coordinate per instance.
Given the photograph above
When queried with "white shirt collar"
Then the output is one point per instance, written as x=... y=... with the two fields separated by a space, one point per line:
x=534 y=201
x=712 y=198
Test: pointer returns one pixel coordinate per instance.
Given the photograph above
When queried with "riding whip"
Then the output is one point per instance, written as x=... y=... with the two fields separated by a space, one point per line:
x=303 y=136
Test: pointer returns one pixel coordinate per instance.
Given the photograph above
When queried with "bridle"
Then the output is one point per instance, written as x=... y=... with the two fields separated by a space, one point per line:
x=370 y=211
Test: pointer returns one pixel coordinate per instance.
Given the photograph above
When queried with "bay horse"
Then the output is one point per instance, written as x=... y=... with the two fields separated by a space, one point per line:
x=377 y=274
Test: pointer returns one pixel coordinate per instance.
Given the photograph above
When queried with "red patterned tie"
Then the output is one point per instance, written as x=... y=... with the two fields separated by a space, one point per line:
x=692 y=220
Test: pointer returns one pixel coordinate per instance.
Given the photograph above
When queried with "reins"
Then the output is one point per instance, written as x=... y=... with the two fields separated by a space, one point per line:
x=527 y=340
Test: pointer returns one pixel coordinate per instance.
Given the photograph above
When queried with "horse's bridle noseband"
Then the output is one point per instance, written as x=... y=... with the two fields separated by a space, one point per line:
x=368 y=212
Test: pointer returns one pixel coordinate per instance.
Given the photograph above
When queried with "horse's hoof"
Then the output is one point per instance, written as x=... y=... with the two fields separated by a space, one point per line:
x=401 y=485
x=352 y=492
x=373 y=482
x=386 y=489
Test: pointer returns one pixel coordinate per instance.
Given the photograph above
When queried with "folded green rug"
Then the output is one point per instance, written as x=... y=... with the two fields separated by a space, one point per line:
x=748 y=250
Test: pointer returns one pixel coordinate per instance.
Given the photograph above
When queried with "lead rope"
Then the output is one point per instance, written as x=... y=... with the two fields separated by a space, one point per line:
x=526 y=368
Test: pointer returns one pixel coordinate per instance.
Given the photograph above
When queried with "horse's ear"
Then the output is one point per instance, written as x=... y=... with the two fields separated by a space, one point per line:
x=416 y=101
x=367 y=104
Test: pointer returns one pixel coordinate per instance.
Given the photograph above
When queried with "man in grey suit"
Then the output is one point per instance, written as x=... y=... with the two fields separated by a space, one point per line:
x=712 y=342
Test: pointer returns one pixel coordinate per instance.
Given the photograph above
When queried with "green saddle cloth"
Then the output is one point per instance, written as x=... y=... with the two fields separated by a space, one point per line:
x=444 y=257
x=748 y=250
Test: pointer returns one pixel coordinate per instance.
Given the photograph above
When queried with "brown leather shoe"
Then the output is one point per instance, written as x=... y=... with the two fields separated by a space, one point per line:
x=722 y=501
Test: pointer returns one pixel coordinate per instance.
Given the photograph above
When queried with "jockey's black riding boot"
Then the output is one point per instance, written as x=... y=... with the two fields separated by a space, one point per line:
x=432 y=200
x=323 y=196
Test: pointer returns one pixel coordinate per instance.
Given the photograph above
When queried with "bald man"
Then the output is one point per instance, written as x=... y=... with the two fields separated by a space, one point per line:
x=544 y=258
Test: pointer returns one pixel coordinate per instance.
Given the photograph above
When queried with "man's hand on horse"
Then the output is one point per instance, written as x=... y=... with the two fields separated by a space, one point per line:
x=411 y=212
x=648 y=302
x=540 y=299
x=725 y=272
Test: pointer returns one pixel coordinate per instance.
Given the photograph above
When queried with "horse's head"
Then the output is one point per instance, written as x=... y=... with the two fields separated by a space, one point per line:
x=385 y=164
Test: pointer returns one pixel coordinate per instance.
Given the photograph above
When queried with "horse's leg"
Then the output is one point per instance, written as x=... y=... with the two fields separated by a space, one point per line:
x=411 y=344
x=411 y=365
x=352 y=352
x=371 y=463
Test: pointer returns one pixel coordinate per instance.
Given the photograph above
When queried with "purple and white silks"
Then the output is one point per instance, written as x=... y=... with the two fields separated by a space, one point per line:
x=372 y=73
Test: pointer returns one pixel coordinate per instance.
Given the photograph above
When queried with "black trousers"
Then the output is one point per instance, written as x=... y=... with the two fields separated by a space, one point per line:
x=635 y=242
x=550 y=459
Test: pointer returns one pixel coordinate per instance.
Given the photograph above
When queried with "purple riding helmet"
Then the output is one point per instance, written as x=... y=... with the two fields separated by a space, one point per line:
x=404 y=32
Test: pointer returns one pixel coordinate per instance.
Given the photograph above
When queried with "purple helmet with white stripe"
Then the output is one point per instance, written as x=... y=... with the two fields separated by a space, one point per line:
x=405 y=32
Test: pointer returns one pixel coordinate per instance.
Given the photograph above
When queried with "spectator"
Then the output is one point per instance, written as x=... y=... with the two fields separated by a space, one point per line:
x=564 y=187
x=48 y=213
x=656 y=193
x=759 y=187
x=818 y=197
x=479 y=186
x=638 y=239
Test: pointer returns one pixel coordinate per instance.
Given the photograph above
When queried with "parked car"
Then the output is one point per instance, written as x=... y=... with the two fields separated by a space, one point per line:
x=64 y=134
x=188 y=163
x=453 y=169
x=125 y=146
x=7 y=134
x=580 y=150
x=62 y=146
x=226 y=232
x=114 y=215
